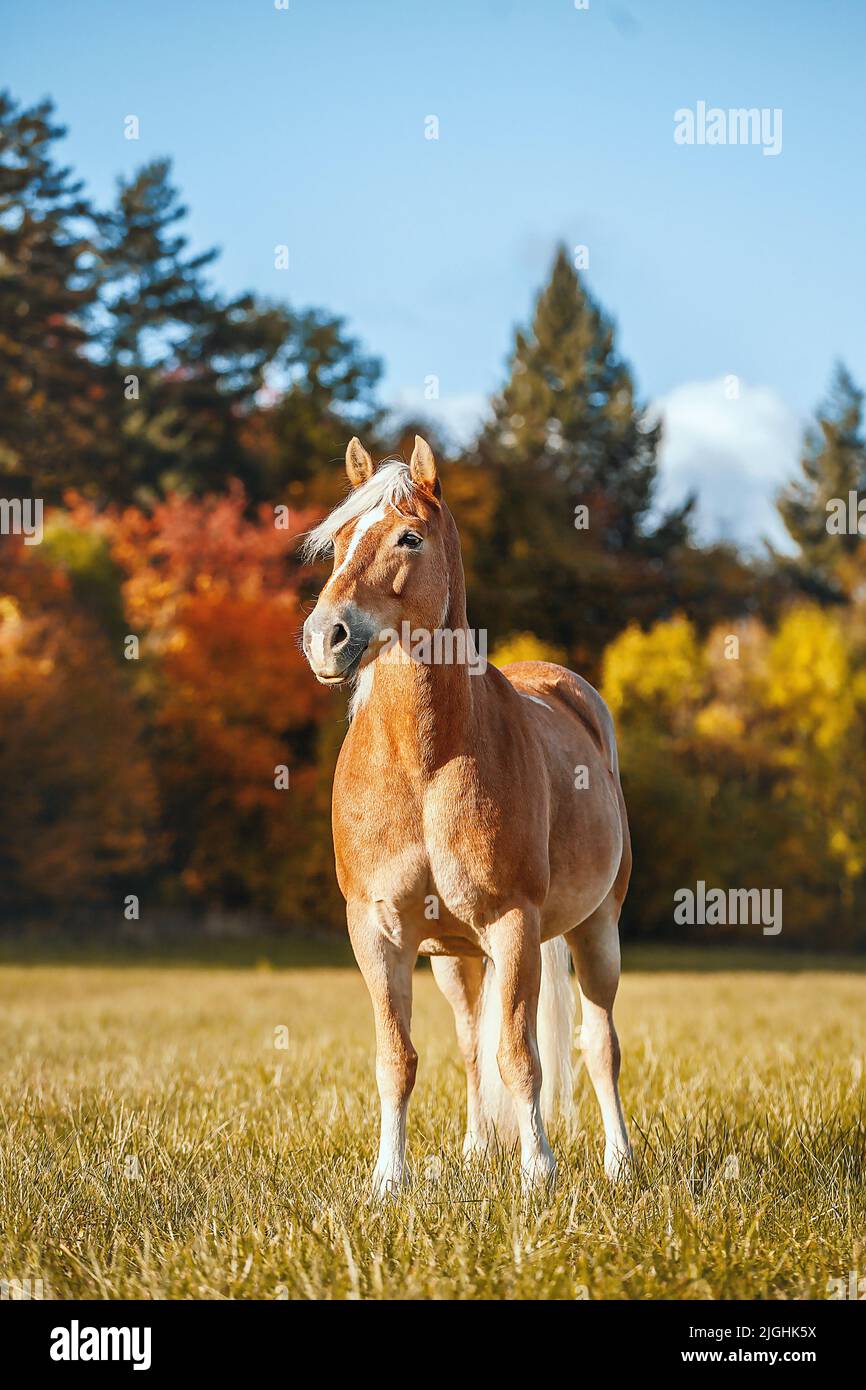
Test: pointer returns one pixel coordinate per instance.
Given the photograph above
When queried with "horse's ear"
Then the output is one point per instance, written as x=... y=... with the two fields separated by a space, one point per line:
x=359 y=465
x=422 y=466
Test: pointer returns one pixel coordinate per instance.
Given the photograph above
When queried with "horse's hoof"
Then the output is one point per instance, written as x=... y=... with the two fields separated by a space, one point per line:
x=539 y=1175
x=476 y=1148
x=387 y=1185
x=617 y=1164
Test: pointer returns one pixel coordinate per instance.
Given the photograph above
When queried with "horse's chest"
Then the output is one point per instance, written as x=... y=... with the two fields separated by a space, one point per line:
x=460 y=841
x=427 y=852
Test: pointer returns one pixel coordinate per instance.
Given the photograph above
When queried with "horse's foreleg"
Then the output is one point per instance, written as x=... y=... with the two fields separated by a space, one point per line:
x=595 y=950
x=387 y=971
x=516 y=949
x=461 y=980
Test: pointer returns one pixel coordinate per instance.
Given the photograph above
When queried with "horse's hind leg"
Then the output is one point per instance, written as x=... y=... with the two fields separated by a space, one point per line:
x=595 y=950
x=461 y=979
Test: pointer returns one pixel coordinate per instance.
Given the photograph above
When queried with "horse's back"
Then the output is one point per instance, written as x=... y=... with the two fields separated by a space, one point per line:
x=557 y=686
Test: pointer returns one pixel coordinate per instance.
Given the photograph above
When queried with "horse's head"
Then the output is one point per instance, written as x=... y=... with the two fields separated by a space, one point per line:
x=393 y=544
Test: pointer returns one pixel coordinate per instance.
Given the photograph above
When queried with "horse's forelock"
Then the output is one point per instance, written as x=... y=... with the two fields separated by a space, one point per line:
x=391 y=484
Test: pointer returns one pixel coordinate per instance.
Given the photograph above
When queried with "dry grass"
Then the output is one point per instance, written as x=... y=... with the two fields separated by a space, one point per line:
x=154 y=1143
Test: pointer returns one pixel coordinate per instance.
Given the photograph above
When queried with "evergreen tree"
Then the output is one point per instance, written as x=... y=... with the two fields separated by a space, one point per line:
x=327 y=392
x=123 y=373
x=567 y=434
x=833 y=465
x=202 y=364
x=156 y=294
x=185 y=365
x=50 y=392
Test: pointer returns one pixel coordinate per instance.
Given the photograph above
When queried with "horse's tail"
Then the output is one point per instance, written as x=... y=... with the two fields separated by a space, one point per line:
x=556 y=1014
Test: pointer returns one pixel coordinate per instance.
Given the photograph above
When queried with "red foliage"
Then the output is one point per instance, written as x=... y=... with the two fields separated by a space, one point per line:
x=214 y=597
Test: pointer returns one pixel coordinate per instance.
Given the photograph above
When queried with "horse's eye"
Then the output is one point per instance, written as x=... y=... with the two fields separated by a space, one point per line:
x=411 y=540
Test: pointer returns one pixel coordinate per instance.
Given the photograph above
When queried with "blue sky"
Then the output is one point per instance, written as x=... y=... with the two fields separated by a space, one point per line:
x=306 y=127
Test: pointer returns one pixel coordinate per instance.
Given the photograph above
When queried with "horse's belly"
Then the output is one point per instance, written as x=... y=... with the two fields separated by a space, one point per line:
x=586 y=845
x=445 y=945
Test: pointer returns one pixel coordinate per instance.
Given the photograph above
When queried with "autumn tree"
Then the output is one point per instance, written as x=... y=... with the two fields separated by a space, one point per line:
x=79 y=820
x=213 y=596
x=740 y=755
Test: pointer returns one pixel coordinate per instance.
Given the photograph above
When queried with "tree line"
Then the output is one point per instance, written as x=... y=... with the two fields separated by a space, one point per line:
x=183 y=440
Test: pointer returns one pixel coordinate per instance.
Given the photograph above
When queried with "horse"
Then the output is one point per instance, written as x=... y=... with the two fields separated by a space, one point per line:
x=478 y=819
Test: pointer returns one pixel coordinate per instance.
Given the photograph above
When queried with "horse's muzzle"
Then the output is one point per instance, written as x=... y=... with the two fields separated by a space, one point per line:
x=335 y=641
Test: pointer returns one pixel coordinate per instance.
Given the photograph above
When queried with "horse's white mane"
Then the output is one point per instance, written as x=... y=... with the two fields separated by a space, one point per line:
x=390 y=485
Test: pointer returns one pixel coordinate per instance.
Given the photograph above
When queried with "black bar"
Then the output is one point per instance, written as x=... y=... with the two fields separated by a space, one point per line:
x=247 y=1338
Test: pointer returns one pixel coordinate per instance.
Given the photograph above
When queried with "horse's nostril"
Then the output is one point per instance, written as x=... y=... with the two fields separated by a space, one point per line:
x=339 y=636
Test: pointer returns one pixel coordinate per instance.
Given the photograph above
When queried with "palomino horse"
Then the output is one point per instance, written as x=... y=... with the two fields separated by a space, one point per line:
x=477 y=817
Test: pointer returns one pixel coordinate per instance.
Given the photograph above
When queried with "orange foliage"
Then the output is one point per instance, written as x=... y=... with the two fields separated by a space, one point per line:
x=79 y=805
x=213 y=596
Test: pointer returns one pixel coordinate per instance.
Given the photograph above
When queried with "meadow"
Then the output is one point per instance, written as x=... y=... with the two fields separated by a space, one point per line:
x=175 y=1130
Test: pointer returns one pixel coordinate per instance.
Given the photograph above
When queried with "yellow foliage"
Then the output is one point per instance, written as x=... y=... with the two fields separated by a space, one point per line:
x=809 y=677
x=525 y=646
x=10 y=612
x=662 y=667
x=756 y=750
x=718 y=723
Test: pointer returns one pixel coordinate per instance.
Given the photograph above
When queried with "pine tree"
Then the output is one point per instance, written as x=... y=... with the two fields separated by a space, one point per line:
x=566 y=435
x=831 y=561
x=201 y=363
x=123 y=373
x=50 y=391
x=328 y=392
x=185 y=364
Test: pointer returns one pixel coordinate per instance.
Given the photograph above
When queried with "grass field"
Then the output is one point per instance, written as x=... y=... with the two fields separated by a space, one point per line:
x=155 y=1143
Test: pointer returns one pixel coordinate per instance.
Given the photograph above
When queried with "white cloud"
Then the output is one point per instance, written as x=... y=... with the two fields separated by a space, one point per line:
x=457 y=416
x=733 y=453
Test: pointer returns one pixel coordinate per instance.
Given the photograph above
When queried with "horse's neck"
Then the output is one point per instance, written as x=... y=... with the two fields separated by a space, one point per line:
x=424 y=712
